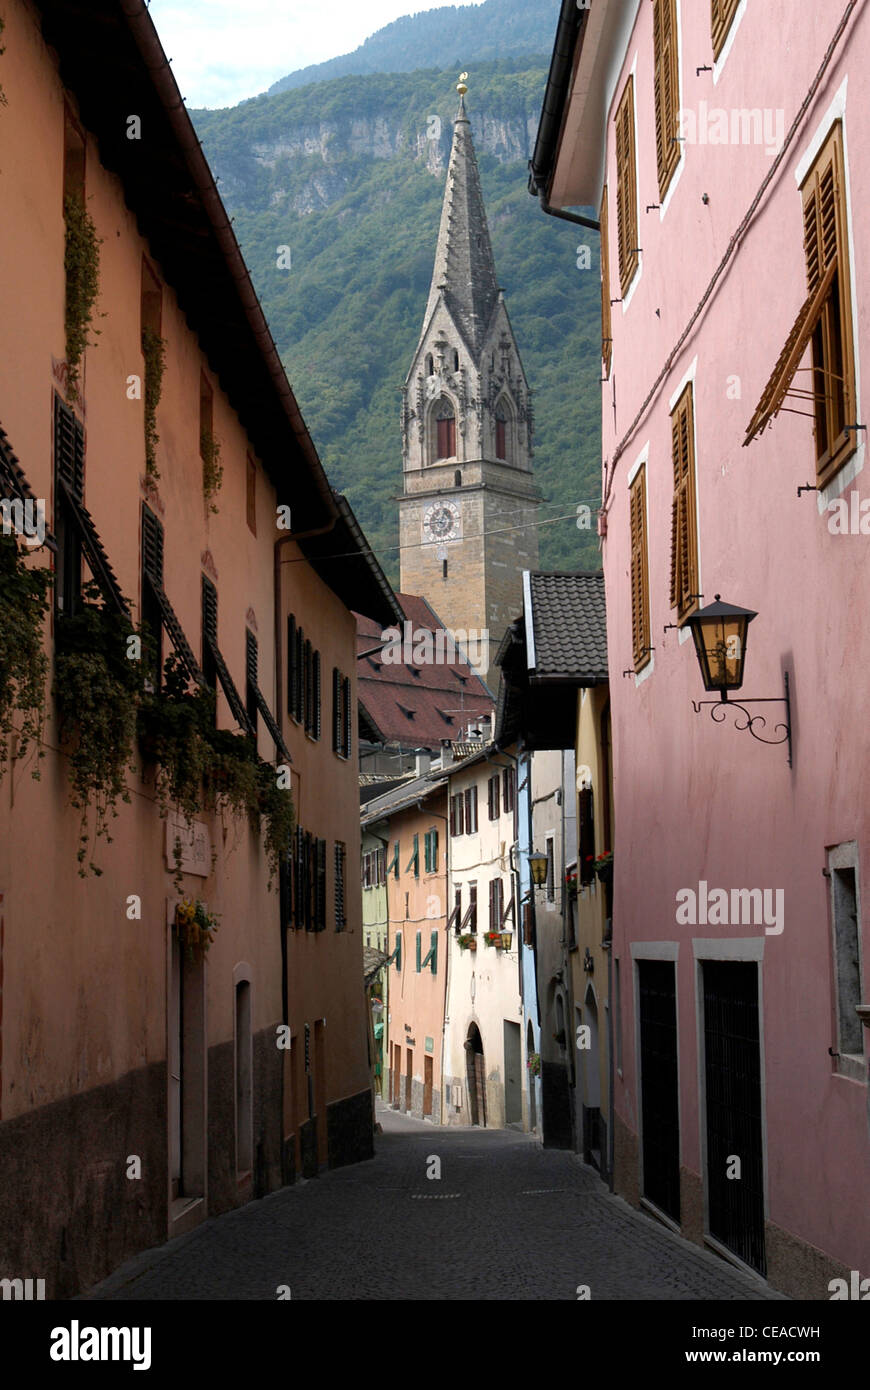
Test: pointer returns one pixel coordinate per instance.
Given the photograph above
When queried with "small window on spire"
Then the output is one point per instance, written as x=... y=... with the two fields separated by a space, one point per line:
x=430 y=365
x=455 y=360
x=457 y=478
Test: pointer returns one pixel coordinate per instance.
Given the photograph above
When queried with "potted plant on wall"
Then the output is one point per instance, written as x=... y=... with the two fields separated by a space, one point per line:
x=493 y=938
x=196 y=927
x=467 y=941
x=534 y=1063
x=604 y=867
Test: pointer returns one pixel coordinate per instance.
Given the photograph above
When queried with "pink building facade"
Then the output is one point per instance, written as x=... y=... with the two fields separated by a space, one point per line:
x=729 y=160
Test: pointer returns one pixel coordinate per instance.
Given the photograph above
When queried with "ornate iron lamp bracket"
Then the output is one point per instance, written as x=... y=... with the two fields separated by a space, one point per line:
x=721 y=706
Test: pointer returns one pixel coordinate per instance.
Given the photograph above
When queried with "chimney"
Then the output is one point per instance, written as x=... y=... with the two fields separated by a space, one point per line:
x=446 y=752
x=424 y=762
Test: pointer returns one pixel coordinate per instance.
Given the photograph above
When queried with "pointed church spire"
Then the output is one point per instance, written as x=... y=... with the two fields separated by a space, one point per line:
x=464 y=269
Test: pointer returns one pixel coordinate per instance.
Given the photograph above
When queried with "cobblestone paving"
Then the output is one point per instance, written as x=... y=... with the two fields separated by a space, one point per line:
x=507 y=1220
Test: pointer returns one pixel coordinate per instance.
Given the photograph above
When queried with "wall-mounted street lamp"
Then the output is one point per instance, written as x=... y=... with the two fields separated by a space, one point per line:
x=538 y=866
x=719 y=631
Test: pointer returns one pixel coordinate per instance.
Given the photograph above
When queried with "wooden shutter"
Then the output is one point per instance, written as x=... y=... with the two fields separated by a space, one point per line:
x=666 y=90
x=723 y=12
x=152 y=546
x=348 y=717
x=626 y=188
x=419 y=950
x=315 y=722
x=684 y=529
x=528 y=938
x=336 y=710
x=493 y=904
x=340 y=919
x=69 y=448
x=640 y=623
x=320 y=893
x=291 y=665
x=308 y=668
x=826 y=246
x=606 y=316
x=586 y=836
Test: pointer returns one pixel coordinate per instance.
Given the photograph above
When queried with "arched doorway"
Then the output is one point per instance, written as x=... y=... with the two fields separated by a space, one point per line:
x=475 y=1075
x=533 y=1104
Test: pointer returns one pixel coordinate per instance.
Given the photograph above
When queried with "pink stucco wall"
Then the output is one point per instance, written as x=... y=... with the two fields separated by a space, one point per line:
x=694 y=801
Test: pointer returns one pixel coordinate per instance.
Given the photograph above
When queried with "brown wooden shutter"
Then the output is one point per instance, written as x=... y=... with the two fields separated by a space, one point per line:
x=626 y=188
x=723 y=12
x=586 y=836
x=336 y=710
x=684 y=539
x=316 y=721
x=606 y=318
x=666 y=90
x=824 y=320
x=640 y=623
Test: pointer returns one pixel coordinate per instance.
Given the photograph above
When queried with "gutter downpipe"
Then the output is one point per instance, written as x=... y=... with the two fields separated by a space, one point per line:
x=574 y=217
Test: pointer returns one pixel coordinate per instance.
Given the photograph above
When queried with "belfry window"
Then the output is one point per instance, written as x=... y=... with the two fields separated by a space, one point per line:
x=500 y=435
x=444 y=431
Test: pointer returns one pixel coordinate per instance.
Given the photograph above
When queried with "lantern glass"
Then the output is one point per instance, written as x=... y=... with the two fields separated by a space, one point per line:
x=720 y=631
x=538 y=865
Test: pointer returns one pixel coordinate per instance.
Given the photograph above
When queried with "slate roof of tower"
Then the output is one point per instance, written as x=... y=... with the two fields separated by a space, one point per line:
x=569 y=627
x=464 y=269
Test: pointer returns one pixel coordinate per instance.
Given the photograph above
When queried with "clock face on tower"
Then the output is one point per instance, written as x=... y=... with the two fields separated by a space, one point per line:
x=442 y=522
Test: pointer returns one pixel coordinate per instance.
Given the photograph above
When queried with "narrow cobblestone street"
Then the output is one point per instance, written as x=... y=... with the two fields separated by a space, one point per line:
x=506 y=1220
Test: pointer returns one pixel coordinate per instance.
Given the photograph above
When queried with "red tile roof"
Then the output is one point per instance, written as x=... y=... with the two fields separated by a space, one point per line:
x=416 y=704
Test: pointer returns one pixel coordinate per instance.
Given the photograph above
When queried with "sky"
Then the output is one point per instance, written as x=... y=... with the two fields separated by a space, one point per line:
x=223 y=51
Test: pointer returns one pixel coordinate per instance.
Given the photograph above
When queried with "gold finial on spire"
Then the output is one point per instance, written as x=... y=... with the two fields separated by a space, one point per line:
x=460 y=86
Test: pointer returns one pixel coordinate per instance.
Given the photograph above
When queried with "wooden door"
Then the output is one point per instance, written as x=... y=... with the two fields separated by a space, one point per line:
x=427 y=1085
x=409 y=1057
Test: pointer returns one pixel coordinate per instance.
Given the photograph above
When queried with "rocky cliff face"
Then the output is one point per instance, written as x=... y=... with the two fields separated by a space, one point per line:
x=312 y=164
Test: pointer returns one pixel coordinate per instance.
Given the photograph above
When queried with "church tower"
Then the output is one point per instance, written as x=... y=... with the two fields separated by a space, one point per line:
x=469 y=506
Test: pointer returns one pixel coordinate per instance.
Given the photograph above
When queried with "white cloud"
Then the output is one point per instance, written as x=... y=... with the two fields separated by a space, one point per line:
x=223 y=51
